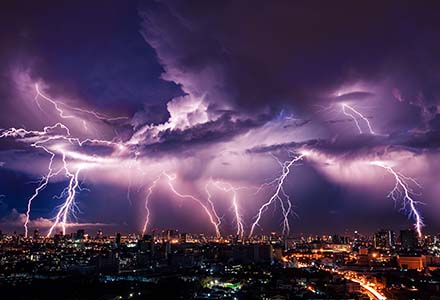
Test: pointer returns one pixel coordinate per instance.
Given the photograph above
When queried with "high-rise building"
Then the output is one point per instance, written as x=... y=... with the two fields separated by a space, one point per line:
x=338 y=239
x=57 y=239
x=384 y=239
x=183 y=237
x=108 y=263
x=170 y=234
x=118 y=239
x=36 y=233
x=253 y=253
x=80 y=233
x=146 y=245
x=408 y=239
x=99 y=234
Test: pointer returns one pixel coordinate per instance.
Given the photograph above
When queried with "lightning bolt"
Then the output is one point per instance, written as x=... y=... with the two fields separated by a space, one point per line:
x=59 y=108
x=355 y=119
x=278 y=195
x=39 y=140
x=40 y=145
x=65 y=209
x=228 y=188
x=44 y=182
x=213 y=217
x=147 y=200
x=402 y=189
x=211 y=204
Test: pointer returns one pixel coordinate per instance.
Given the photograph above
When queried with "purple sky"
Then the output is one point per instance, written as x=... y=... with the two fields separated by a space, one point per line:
x=199 y=108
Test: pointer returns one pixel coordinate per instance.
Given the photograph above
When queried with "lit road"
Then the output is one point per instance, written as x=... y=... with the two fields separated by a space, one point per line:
x=375 y=293
x=353 y=276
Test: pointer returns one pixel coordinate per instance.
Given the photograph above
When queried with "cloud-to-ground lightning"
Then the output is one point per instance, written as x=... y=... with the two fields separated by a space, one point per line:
x=277 y=195
x=228 y=188
x=213 y=217
x=355 y=119
x=50 y=173
x=43 y=183
x=42 y=140
x=402 y=189
x=211 y=212
x=66 y=208
x=211 y=204
x=147 y=201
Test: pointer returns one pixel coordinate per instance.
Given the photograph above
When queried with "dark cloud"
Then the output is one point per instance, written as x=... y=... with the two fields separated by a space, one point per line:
x=293 y=53
x=361 y=145
x=83 y=50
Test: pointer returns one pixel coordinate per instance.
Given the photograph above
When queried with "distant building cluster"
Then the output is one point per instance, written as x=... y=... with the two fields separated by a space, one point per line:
x=273 y=266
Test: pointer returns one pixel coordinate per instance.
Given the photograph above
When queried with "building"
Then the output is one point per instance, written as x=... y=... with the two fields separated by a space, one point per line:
x=353 y=287
x=99 y=235
x=118 y=239
x=36 y=233
x=108 y=263
x=259 y=253
x=417 y=262
x=384 y=239
x=184 y=238
x=408 y=239
x=278 y=253
x=337 y=239
x=363 y=257
x=170 y=234
x=57 y=239
x=146 y=245
x=80 y=234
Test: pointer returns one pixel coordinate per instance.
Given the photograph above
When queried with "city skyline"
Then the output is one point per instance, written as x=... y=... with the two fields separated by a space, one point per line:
x=219 y=150
x=295 y=118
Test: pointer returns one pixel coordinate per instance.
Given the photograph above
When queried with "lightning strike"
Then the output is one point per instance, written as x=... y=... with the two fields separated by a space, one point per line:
x=211 y=204
x=277 y=195
x=39 y=139
x=147 y=200
x=402 y=189
x=40 y=145
x=355 y=119
x=44 y=182
x=65 y=209
x=60 y=105
x=228 y=188
x=213 y=217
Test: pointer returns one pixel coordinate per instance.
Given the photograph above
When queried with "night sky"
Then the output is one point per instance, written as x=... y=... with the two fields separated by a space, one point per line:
x=173 y=112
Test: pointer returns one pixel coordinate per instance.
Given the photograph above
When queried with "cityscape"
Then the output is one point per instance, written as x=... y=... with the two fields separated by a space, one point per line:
x=82 y=265
x=228 y=150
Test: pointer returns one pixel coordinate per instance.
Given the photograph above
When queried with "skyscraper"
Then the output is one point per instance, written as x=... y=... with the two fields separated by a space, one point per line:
x=118 y=239
x=80 y=234
x=384 y=239
x=408 y=239
x=36 y=233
